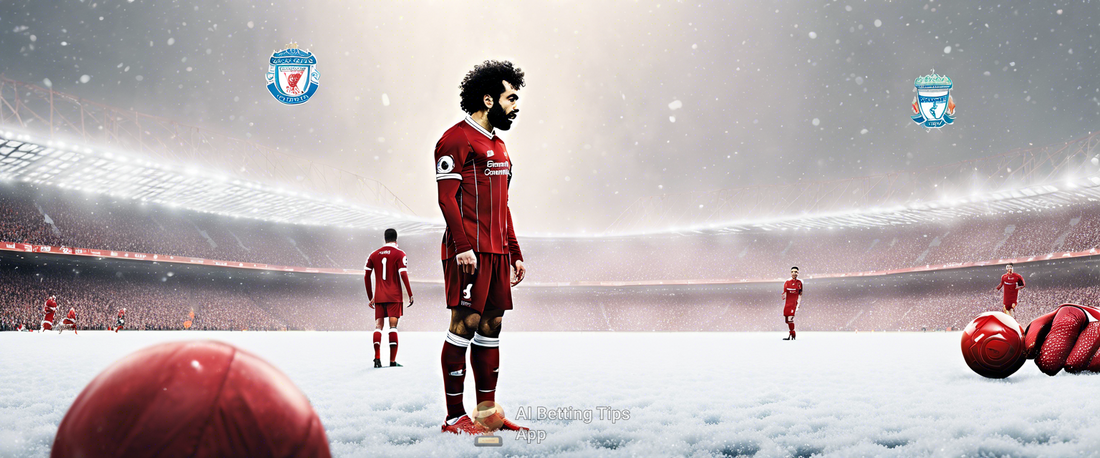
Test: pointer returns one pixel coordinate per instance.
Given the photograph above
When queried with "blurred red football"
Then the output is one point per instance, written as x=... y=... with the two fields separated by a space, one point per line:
x=192 y=398
x=993 y=345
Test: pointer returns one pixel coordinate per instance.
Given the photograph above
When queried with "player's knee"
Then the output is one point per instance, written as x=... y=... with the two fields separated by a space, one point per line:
x=490 y=327
x=465 y=325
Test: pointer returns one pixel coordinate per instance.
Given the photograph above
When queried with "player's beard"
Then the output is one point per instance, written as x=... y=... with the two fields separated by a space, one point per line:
x=498 y=118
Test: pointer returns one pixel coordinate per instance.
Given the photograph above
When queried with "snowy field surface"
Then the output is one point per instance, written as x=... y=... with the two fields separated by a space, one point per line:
x=685 y=394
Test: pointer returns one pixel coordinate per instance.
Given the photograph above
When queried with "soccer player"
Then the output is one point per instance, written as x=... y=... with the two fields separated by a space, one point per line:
x=387 y=263
x=1012 y=283
x=481 y=257
x=50 y=308
x=120 y=321
x=792 y=297
x=69 y=322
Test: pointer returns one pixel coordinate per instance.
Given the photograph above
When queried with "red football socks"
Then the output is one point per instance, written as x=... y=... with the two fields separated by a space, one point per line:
x=377 y=343
x=485 y=360
x=453 y=360
x=393 y=345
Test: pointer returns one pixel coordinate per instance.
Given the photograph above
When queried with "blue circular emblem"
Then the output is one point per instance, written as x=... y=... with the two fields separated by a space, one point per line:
x=292 y=75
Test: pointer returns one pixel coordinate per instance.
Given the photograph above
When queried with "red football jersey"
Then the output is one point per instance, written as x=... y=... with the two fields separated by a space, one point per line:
x=71 y=315
x=793 y=288
x=479 y=160
x=50 y=307
x=387 y=264
x=1009 y=282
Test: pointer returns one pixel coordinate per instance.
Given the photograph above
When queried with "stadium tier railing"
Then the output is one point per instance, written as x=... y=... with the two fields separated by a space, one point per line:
x=148 y=257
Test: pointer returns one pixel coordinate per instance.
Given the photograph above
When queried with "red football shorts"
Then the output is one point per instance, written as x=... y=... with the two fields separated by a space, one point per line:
x=789 y=310
x=387 y=309
x=47 y=325
x=1010 y=301
x=489 y=288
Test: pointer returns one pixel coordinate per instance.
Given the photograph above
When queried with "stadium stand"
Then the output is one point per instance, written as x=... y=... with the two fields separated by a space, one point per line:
x=55 y=217
x=161 y=297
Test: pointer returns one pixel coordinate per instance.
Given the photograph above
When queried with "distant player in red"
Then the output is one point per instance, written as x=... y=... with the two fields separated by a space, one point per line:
x=481 y=257
x=49 y=309
x=387 y=264
x=69 y=322
x=792 y=297
x=120 y=321
x=1012 y=283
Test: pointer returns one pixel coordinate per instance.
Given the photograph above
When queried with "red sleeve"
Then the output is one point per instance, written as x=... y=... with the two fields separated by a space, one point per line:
x=450 y=157
x=1022 y=282
x=405 y=279
x=513 y=244
x=369 y=267
x=403 y=270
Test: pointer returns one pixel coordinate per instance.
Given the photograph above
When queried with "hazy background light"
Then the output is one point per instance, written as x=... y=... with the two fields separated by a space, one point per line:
x=744 y=80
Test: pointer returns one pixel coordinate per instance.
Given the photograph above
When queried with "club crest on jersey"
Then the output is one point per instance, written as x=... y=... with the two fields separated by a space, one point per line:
x=292 y=75
x=445 y=165
x=489 y=153
x=933 y=107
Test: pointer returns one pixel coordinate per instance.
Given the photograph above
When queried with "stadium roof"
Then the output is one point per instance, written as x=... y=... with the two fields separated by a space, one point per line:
x=56 y=139
x=1019 y=180
x=118 y=175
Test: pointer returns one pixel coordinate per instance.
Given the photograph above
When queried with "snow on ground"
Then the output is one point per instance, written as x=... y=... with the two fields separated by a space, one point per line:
x=687 y=394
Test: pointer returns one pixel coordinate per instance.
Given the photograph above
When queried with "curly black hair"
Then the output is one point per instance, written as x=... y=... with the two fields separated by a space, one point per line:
x=487 y=78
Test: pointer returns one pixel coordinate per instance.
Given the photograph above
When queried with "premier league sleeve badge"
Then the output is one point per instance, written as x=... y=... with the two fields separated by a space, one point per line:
x=292 y=75
x=933 y=107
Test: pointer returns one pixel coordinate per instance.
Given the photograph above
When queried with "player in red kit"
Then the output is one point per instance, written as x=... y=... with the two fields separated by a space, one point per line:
x=120 y=321
x=481 y=257
x=69 y=322
x=1012 y=283
x=49 y=309
x=792 y=297
x=387 y=264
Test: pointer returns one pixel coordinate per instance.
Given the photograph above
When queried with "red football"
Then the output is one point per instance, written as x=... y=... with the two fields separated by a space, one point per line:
x=194 y=398
x=993 y=345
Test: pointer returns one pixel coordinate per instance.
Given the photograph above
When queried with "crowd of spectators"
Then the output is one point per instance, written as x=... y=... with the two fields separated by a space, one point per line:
x=57 y=217
x=214 y=299
x=49 y=216
x=770 y=254
x=151 y=303
x=937 y=300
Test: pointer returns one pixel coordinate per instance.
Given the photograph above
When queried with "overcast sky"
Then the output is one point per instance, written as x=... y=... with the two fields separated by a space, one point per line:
x=624 y=100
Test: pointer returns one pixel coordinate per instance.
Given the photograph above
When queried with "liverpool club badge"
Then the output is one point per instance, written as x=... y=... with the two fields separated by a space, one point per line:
x=292 y=75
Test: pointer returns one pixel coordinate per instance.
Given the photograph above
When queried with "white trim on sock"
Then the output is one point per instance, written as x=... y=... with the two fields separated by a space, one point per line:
x=458 y=340
x=483 y=341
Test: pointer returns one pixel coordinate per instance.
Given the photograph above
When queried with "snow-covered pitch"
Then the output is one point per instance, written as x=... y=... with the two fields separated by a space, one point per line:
x=685 y=394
